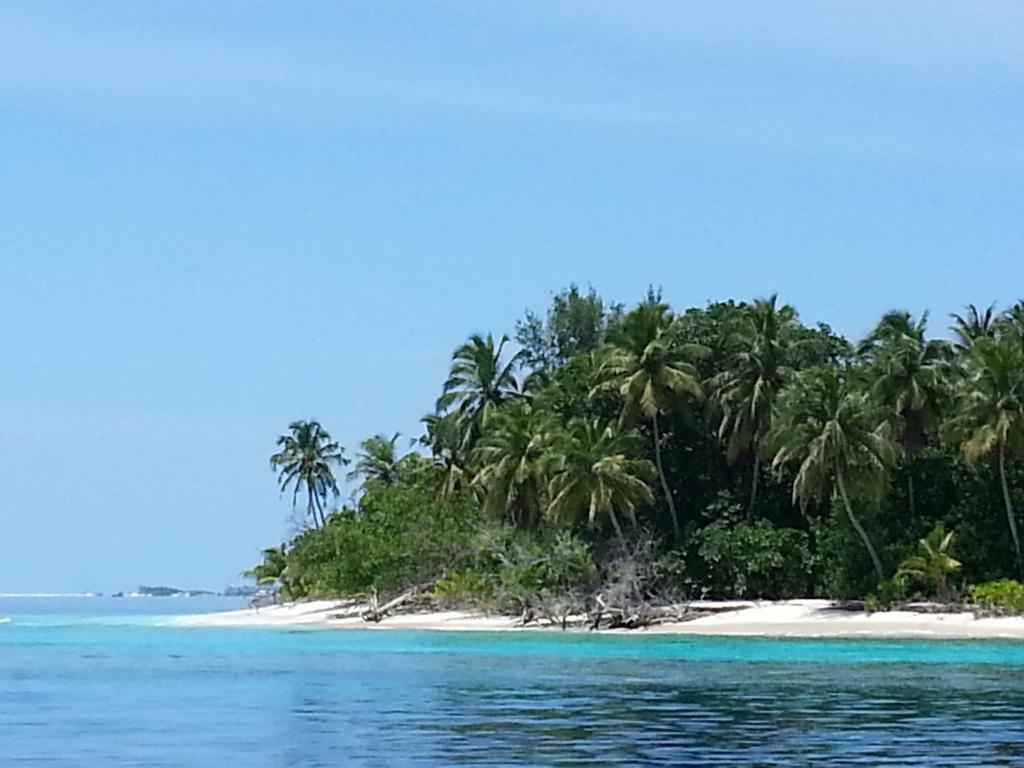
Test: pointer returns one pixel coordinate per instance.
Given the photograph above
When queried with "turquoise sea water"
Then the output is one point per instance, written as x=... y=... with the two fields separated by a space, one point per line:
x=106 y=682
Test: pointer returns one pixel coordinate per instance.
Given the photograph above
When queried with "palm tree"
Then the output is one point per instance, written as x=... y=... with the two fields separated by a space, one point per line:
x=831 y=434
x=512 y=455
x=275 y=560
x=1011 y=323
x=444 y=437
x=594 y=476
x=909 y=376
x=378 y=461
x=990 y=414
x=479 y=383
x=932 y=563
x=652 y=375
x=747 y=392
x=274 y=571
x=304 y=460
x=973 y=325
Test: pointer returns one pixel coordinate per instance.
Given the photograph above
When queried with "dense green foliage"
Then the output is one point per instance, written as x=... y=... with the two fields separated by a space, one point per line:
x=726 y=451
x=1004 y=594
x=399 y=536
x=754 y=560
x=528 y=575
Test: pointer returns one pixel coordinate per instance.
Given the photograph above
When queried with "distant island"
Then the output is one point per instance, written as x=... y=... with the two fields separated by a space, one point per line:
x=161 y=591
x=247 y=590
x=172 y=592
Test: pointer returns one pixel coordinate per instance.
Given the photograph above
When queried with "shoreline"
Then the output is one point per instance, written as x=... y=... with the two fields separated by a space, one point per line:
x=767 y=619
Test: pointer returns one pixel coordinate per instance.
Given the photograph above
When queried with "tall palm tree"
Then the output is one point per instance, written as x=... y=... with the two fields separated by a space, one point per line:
x=974 y=324
x=652 y=374
x=909 y=375
x=445 y=437
x=480 y=382
x=513 y=456
x=989 y=418
x=303 y=460
x=831 y=434
x=595 y=478
x=746 y=393
x=378 y=461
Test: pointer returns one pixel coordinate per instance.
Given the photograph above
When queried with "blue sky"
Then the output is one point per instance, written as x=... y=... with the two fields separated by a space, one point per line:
x=219 y=217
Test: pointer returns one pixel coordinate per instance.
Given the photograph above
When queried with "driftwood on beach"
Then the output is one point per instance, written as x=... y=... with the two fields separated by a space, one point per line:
x=621 y=610
x=600 y=612
x=644 y=614
x=374 y=612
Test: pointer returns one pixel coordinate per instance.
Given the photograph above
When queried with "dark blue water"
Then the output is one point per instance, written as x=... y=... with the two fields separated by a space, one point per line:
x=90 y=683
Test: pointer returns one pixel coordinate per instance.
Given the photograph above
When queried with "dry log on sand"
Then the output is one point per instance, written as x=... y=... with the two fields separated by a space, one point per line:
x=375 y=613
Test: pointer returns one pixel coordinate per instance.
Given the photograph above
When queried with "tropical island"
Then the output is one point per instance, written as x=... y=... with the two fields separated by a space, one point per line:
x=627 y=466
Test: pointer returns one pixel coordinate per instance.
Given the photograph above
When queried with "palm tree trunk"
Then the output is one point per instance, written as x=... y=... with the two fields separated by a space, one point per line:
x=312 y=507
x=1010 y=517
x=858 y=527
x=910 y=491
x=616 y=526
x=753 y=486
x=661 y=475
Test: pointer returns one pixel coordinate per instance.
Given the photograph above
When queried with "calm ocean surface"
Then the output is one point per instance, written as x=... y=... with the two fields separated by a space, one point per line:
x=103 y=682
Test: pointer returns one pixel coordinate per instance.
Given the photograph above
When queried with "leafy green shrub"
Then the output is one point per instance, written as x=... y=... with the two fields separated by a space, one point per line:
x=669 y=574
x=514 y=571
x=546 y=571
x=886 y=595
x=400 y=536
x=466 y=587
x=755 y=559
x=846 y=570
x=1005 y=593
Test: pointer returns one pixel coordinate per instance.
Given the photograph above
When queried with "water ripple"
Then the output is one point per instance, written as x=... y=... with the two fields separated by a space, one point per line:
x=159 y=696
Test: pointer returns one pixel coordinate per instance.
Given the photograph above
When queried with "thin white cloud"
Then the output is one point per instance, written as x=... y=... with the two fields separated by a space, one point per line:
x=911 y=38
x=170 y=74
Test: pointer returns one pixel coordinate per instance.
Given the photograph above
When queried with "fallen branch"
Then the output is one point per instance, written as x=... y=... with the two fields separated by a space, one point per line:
x=639 y=614
x=375 y=613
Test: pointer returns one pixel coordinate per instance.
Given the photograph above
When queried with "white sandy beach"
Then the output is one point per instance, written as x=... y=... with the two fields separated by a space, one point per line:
x=792 y=618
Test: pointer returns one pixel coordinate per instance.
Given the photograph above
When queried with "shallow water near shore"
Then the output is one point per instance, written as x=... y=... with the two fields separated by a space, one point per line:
x=105 y=682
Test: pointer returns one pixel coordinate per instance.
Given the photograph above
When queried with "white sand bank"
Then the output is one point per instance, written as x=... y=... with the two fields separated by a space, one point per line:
x=791 y=618
x=345 y=614
x=820 y=618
